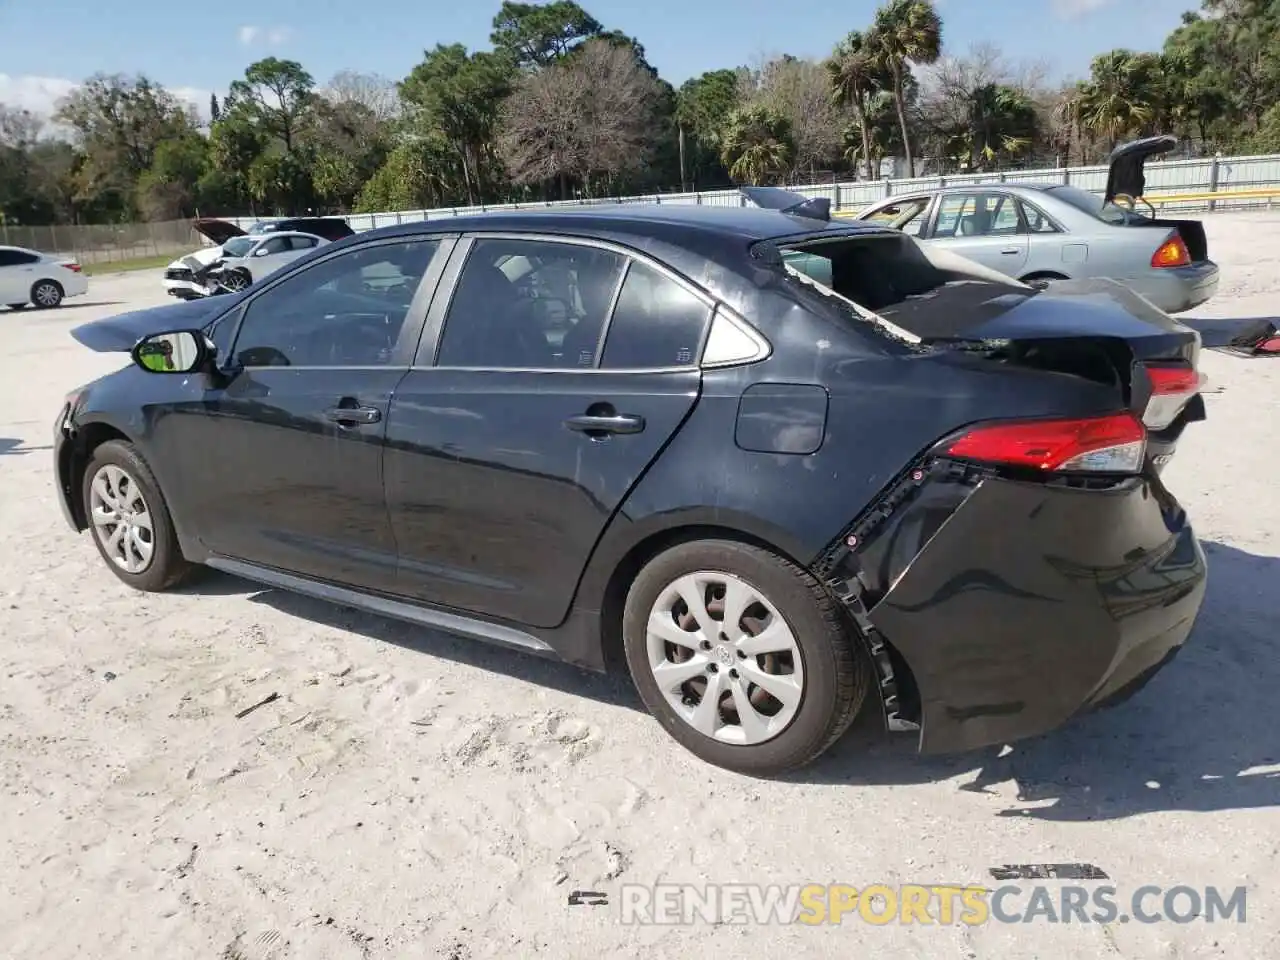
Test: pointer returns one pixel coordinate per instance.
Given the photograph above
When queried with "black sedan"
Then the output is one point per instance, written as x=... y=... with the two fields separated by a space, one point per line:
x=782 y=468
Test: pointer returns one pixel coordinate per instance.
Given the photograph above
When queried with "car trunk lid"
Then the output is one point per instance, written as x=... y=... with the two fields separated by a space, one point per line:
x=1096 y=329
x=932 y=300
x=1126 y=167
x=1126 y=185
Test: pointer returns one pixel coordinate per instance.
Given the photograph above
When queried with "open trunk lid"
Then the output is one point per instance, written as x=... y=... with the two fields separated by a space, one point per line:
x=1127 y=183
x=1126 y=176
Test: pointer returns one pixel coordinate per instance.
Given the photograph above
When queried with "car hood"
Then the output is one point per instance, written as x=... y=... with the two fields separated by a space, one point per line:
x=118 y=334
x=217 y=231
x=1125 y=175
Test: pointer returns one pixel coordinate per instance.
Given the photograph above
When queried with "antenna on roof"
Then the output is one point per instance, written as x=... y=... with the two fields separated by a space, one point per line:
x=789 y=202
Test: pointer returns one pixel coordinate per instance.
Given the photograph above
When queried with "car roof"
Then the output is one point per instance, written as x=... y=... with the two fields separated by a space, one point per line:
x=35 y=253
x=673 y=223
x=1011 y=187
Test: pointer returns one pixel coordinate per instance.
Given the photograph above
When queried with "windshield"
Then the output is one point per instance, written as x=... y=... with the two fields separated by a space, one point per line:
x=1090 y=203
x=238 y=246
x=261 y=227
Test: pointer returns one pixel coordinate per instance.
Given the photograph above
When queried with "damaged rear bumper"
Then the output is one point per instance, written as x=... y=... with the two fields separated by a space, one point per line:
x=1017 y=605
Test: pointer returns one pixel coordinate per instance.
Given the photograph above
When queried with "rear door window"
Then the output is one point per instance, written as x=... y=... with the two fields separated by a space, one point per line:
x=657 y=323
x=976 y=215
x=526 y=304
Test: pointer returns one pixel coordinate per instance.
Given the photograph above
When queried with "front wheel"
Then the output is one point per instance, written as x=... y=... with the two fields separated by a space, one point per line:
x=236 y=280
x=130 y=520
x=742 y=656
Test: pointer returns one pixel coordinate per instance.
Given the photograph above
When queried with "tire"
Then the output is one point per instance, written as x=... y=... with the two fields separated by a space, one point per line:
x=46 y=294
x=165 y=566
x=827 y=687
x=237 y=280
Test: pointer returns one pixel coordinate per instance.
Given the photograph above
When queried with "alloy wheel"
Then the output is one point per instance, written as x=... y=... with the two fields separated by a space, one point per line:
x=121 y=519
x=46 y=294
x=235 y=281
x=724 y=658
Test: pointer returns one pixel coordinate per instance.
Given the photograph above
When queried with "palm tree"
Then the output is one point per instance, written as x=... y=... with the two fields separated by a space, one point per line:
x=757 y=143
x=856 y=75
x=1002 y=122
x=906 y=32
x=1113 y=102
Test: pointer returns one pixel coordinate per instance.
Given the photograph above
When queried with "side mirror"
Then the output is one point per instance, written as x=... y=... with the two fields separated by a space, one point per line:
x=179 y=351
x=260 y=252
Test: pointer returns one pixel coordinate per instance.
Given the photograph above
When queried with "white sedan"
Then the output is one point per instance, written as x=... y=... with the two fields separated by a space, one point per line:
x=29 y=277
x=238 y=262
x=247 y=260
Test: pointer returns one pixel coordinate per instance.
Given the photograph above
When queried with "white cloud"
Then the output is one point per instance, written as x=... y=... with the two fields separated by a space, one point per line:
x=40 y=95
x=1075 y=9
x=251 y=35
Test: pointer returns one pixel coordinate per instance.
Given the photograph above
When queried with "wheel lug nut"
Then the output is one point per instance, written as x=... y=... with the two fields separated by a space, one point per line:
x=712 y=668
x=705 y=645
x=741 y=655
x=733 y=674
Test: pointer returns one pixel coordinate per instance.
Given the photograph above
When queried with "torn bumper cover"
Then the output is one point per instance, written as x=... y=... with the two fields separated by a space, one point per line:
x=1017 y=605
x=1247 y=337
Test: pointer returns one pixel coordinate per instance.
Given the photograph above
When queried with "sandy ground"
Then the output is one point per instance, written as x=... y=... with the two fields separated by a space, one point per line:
x=415 y=795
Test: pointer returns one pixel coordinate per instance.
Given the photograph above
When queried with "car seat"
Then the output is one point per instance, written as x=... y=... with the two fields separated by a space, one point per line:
x=491 y=325
x=595 y=288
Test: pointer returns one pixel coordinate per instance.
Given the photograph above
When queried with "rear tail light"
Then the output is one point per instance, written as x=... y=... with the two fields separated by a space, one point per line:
x=1172 y=253
x=1270 y=345
x=1172 y=388
x=72 y=266
x=1115 y=443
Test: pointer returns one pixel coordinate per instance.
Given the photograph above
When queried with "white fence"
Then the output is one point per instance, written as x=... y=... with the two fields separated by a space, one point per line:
x=1216 y=174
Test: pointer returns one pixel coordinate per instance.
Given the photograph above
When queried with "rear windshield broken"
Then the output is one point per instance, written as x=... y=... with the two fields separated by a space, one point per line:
x=909 y=290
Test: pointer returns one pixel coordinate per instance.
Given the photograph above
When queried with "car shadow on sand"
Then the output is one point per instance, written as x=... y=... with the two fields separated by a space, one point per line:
x=543 y=672
x=15 y=446
x=1200 y=737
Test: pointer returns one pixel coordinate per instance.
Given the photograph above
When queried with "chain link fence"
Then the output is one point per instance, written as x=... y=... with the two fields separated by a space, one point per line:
x=106 y=243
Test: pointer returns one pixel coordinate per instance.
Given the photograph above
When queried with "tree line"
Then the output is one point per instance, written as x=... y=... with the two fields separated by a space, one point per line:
x=562 y=106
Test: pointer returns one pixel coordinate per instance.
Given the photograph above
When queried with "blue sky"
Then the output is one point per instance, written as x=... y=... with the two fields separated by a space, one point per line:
x=182 y=49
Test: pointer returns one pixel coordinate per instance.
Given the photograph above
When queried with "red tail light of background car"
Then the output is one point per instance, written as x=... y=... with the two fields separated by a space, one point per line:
x=1172 y=253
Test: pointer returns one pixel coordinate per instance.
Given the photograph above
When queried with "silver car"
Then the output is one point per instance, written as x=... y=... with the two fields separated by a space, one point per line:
x=1038 y=232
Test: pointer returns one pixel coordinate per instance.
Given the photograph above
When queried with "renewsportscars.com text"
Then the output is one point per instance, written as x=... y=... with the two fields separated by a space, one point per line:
x=932 y=904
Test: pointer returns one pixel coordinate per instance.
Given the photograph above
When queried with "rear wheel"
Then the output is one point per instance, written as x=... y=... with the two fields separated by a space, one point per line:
x=130 y=520
x=46 y=294
x=742 y=656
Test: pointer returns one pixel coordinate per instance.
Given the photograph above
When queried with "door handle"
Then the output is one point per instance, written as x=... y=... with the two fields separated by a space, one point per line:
x=352 y=416
x=1011 y=251
x=603 y=425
